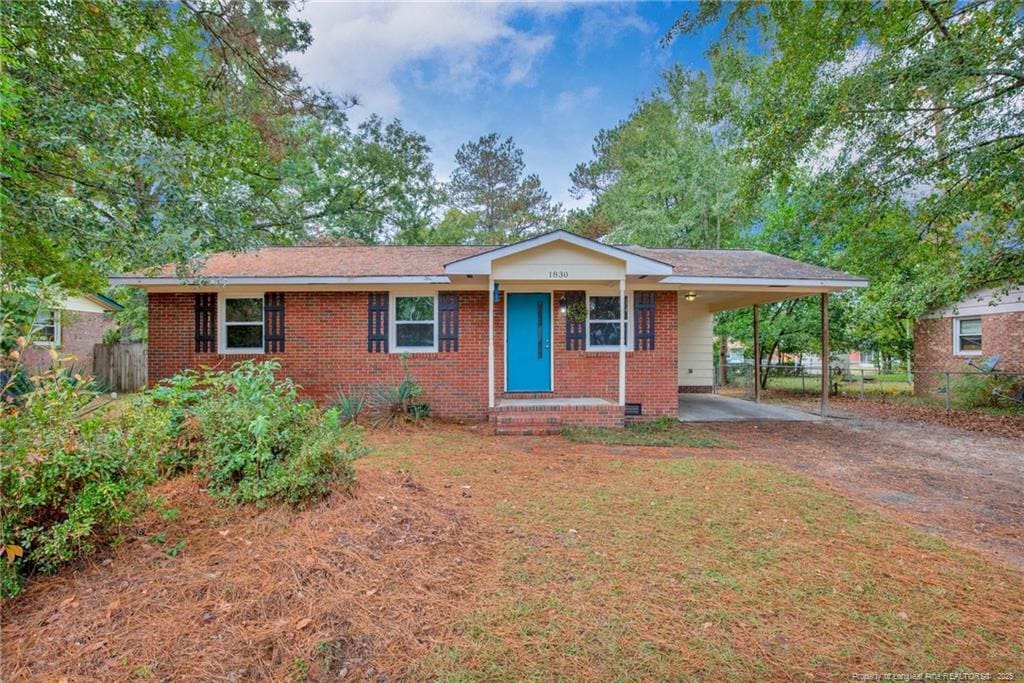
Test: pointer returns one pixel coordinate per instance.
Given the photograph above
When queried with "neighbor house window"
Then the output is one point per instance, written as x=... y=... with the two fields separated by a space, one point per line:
x=603 y=331
x=243 y=324
x=967 y=335
x=46 y=328
x=415 y=323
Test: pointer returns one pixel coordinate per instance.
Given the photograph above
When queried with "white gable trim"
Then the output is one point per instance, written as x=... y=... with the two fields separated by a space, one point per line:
x=481 y=263
x=983 y=302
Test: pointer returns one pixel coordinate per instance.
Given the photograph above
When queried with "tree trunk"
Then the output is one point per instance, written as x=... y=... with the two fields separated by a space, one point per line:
x=723 y=360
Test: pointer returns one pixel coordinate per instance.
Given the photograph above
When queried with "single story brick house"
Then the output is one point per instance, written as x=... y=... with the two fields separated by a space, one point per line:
x=72 y=328
x=551 y=330
x=983 y=324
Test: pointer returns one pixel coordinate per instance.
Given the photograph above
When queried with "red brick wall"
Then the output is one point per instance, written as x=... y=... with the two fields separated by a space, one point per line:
x=325 y=350
x=79 y=332
x=1001 y=333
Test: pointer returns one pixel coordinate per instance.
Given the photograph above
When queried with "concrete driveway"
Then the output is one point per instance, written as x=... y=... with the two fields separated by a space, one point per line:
x=716 y=408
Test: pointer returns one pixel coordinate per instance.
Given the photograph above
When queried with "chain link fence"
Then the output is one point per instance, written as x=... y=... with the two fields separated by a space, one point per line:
x=951 y=389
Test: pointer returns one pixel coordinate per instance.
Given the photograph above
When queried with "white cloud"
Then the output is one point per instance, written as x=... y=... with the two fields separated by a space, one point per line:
x=602 y=25
x=569 y=100
x=358 y=48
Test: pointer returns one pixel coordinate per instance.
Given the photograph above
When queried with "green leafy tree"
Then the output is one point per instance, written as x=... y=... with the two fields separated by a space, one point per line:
x=907 y=116
x=490 y=182
x=661 y=178
x=140 y=133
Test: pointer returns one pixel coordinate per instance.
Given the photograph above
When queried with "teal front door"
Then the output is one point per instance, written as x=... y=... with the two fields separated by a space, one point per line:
x=528 y=342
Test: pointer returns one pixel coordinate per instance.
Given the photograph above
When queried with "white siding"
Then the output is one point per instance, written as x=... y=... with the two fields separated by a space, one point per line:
x=558 y=262
x=696 y=344
x=984 y=302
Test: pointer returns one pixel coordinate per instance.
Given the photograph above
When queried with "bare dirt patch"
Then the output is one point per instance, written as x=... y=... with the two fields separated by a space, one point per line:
x=900 y=410
x=354 y=586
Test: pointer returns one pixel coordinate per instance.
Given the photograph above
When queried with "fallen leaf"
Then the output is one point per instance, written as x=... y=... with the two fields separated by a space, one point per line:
x=303 y=623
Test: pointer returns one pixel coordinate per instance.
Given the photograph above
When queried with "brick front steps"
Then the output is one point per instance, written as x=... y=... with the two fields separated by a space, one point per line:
x=526 y=416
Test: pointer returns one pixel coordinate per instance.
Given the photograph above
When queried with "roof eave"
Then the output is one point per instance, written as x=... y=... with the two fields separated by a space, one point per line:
x=137 y=281
x=823 y=283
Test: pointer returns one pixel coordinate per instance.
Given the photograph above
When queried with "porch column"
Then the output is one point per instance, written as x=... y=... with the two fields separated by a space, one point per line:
x=490 y=342
x=825 y=370
x=622 y=341
x=757 y=353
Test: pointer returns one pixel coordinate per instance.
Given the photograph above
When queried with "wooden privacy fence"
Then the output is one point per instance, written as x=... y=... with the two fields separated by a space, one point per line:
x=121 y=367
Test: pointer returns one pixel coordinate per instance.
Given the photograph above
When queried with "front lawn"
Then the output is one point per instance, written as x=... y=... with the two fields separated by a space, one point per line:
x=617 y=567
x=462 y=556
x=665 y=431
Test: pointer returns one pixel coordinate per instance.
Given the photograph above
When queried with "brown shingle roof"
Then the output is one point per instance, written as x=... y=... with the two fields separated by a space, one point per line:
x=365 y=261
x=357 y=261
x=738 y=263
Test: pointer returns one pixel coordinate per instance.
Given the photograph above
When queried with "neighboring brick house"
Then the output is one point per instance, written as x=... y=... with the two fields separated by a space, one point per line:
x=72 y=329
x=351 y=317
x=985 y=323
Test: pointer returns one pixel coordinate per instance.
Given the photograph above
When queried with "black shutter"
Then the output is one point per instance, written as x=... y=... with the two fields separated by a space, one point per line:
x=377 y=323
x=575 y=332
x=643 y=321
x=206 y=323
x=448 y=321
x=273 y=322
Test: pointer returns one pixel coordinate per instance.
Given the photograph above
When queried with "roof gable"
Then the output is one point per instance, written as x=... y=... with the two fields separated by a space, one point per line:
x=635 y=264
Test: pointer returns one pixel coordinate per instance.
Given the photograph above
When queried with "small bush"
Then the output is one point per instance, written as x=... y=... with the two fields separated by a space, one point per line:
x=258 y=442
x=69 y=481
x=391 y=403
x=978 y=390
x=350 y=406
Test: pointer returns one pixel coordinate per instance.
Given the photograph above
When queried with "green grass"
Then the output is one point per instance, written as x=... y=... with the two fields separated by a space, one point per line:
x=665 y=431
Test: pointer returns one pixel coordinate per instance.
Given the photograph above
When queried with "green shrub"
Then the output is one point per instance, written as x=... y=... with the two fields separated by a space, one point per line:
x=258 y=442
x=350 y=406
x=68 y=481
x=978 y=389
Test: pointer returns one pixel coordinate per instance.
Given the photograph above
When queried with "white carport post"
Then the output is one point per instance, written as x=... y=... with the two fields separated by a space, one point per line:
x=622 y=341
x=490 y=342
x=826 y=379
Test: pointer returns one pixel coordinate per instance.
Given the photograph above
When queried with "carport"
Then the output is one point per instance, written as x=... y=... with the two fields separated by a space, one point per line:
x=711 y=281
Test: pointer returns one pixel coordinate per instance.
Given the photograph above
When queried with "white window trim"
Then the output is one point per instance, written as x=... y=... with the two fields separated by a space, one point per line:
x=393 y=323
x=222 y=325
x=957 y=351
x=56 y=331
x=586 y=325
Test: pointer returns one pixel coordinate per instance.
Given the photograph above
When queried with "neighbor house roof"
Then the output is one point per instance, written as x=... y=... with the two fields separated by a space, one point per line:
x=369 y=263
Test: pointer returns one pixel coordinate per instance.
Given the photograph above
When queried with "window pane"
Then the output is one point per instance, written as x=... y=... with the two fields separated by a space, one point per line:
x=414 y=334
x=604 y=334
x=604 y=308
x=414 y=308
x=970 y=342
x=970 y=326
x=245 y=336
x=45 y=326
x=243 y=310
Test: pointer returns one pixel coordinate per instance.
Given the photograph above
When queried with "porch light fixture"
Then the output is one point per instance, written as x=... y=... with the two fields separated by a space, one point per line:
x=563 y=306
x=690 y=296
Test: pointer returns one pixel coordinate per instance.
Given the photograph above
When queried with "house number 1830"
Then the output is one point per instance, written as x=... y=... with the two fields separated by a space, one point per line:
x=558 y=275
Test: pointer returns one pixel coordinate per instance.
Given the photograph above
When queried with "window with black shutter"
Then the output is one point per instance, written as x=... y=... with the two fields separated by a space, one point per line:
x=377 y=323
x=448 y=321
x=206 y=323
x=273 y=322
x=575 y=332
x=643 y=324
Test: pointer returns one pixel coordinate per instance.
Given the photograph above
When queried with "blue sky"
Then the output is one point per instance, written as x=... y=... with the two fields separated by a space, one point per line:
x=549 y=74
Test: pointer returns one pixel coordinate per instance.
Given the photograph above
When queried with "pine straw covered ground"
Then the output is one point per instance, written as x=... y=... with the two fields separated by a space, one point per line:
x=466 y=556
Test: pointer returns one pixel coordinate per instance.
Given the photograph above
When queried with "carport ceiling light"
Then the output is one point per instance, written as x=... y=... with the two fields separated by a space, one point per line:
x=690 y=296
